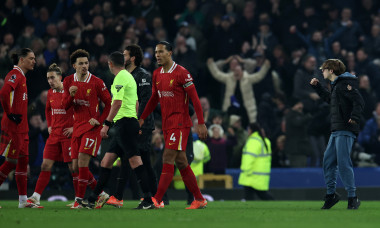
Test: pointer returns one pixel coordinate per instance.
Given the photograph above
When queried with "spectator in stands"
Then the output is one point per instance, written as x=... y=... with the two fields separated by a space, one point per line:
x=364 y=65
x=248 y=24
x=236 y=130
x=369 y=137
x=25 y=40
x=185 y=56
x=239 y=92
x=208 y=112
x=371 y=43
x=369 y=96
x=223 y=41
x=265 y=38
x=191 y=14
x=297 y=145
x=353 y=34
x=318 y=45
x=270 y=113
x=184 y=31
x=256 y=165
x=146 y=9
x=217 y=145
x=44 y=18
x=279 y=158
x=302 y=90
x=50 y=52
x=269 y=82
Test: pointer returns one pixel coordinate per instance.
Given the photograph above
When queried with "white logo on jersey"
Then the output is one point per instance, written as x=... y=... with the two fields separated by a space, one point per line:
x=82 y=102
x=165 y=94
x=25 y=97
x=143 y=80
x=59 y=111
x=188 y=78
x=12 y=78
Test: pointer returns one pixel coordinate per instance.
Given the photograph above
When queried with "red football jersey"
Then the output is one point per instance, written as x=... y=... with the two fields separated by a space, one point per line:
x=58 y=118
x=86 y=101
x=171 y=90
x=18 y=101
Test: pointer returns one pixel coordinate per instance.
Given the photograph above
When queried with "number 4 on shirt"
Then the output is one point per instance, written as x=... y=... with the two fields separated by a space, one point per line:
x=172 y=138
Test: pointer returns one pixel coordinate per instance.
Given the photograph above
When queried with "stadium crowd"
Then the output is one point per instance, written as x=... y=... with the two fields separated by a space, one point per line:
x=251 y=60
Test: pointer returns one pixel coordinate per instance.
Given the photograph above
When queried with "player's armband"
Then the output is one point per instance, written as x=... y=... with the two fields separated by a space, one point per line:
x=187 y=84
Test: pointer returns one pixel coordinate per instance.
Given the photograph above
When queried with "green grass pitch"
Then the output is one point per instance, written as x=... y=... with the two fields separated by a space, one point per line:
x=236 y=214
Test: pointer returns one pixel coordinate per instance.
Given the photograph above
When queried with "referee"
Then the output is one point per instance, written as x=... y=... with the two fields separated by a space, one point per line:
x=123 y=143
x=133 y=57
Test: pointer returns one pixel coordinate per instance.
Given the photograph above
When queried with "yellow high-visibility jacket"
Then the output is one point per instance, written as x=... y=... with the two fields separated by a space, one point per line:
x=256 y=163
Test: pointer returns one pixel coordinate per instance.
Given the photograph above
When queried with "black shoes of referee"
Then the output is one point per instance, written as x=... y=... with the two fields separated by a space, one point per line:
x=145 y=205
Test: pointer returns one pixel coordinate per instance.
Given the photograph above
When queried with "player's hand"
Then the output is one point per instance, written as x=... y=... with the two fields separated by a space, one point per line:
x=15 y=118
x=140 y=132
x=73 y=90
x=68 y=132
x=104 y=132
x=94 y=122
x=49 y=130
x=314 y=82
x=202 y=131
x=141 y=122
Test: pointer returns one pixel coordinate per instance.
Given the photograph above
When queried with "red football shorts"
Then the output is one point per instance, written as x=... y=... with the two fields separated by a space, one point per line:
x=176 y=139
x=14 y=144
x=88 y=143
x=58 y=149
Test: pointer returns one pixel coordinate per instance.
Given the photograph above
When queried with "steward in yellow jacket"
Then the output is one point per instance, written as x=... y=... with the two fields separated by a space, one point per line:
x=256 y=164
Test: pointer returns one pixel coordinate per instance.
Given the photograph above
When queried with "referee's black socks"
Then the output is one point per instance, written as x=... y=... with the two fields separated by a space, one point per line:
x=102 y=181
x=142 y=179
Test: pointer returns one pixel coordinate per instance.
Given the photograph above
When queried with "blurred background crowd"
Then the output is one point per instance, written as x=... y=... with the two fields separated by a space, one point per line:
x=251 y=61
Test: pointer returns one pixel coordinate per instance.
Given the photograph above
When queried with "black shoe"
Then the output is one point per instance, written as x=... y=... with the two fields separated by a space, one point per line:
x=86 y=204
x=144 y=205
x=331 y=200
x=353 y=203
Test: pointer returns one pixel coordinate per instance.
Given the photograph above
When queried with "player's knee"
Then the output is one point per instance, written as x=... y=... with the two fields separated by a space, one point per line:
x=106 y=164
x=135 y=161
x=46 y=166
x=181 y=163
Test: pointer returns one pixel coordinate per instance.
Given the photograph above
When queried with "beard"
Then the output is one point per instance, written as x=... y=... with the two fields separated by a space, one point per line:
x=127 y=64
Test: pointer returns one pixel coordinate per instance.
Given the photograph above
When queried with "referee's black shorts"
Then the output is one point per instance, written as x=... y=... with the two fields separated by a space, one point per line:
x=124 y=138
x=144 y=141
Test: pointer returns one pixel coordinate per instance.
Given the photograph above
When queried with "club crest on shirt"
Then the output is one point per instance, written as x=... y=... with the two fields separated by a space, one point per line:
x=349 y=87
x=188 y=78
x=118 y=87
x=88 y=92
x=12 y=78
x=171 y=82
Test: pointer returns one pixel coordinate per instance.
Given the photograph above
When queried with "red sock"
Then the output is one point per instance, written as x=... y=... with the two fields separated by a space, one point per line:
x=75 y=183
x=190 y=181
x=82 y=181
x=21 y=174
x=5 y=169
x=91 y=181
x=42 y=182
x=165 y=180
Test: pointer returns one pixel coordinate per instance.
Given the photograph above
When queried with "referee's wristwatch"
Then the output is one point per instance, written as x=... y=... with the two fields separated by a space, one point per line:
x=108 y=123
